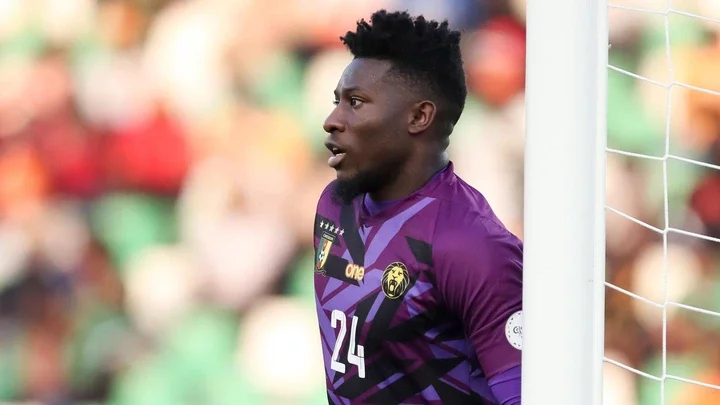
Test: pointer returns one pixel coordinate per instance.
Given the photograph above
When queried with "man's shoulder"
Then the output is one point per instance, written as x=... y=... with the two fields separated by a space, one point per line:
x=462 y=227
x=476 y=241
x=466 y=221
x=464 y=209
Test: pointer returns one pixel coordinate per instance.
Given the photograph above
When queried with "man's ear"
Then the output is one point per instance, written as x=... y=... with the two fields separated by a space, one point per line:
x=423 y=115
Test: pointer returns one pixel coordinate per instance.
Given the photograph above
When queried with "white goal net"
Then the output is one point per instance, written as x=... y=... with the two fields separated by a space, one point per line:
x=663 y=300
x=623 y=157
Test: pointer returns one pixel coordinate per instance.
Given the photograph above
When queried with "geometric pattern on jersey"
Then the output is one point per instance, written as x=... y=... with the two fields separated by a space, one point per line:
x=414 y=352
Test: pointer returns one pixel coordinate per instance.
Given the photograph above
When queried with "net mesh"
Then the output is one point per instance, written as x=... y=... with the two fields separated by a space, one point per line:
x=681 y=110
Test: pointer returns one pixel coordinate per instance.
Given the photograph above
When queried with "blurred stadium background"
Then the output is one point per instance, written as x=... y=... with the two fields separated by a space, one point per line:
x=159 y=167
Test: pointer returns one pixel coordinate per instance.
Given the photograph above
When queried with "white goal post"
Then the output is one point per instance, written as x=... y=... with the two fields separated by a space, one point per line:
x=564 y=232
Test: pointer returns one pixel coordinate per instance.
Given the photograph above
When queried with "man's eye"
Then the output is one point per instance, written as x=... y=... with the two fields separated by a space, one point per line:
x=336 y=102
x=354 y=101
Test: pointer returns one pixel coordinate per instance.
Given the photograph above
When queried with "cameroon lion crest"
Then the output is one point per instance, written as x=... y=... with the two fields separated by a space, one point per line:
x=395 y=280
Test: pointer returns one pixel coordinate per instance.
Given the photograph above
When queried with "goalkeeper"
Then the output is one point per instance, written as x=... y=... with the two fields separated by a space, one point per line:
x=418 y=284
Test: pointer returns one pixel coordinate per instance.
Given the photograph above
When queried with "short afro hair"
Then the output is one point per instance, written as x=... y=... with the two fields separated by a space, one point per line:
x=424 y=51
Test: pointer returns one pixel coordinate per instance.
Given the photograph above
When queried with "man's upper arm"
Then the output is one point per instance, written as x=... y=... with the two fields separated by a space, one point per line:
x=479 y=278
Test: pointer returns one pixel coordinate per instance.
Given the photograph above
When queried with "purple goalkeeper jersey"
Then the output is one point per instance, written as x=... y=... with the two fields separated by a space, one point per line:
x=419 y=303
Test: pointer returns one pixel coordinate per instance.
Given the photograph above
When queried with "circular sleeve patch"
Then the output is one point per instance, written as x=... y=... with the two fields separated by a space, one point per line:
x=513 y=330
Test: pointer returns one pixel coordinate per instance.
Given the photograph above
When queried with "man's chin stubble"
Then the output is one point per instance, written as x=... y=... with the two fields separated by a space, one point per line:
x=345 y=191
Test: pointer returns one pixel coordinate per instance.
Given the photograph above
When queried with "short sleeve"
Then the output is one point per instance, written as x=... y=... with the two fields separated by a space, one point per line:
x=478 y=269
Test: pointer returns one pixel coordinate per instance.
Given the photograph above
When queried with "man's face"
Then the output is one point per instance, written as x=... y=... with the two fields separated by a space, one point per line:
x=368 y=128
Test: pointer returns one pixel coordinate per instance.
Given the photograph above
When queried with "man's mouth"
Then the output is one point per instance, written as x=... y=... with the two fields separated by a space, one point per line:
x=337 y=156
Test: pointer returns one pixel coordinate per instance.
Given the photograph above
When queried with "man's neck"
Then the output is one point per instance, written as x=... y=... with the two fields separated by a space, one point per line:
x=412 y=178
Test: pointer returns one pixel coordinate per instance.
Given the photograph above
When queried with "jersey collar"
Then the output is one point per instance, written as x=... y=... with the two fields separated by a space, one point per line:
x=442 y=177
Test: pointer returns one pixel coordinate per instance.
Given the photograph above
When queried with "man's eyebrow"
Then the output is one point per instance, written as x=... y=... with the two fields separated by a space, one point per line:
x=345 y=90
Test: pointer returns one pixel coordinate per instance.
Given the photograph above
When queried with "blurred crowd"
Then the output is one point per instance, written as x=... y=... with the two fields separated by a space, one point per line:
x=160 y=162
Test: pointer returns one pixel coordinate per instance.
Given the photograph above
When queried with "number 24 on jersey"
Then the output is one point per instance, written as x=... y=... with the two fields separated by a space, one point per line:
x=356 y=353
